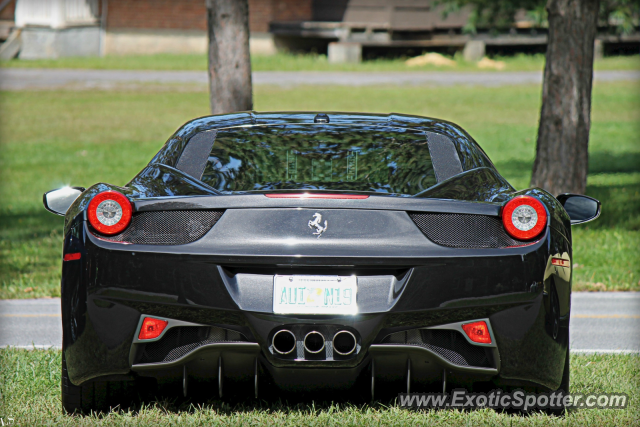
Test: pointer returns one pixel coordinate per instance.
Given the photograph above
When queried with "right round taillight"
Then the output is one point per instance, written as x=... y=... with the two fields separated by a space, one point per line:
x=109 y=212
x=524 y=217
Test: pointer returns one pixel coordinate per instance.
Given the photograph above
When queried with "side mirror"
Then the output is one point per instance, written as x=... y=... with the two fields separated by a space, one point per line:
x=580 y=208
x=58 y=201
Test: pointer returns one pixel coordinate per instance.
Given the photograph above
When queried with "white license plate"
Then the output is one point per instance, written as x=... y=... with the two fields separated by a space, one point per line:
x=315 y=294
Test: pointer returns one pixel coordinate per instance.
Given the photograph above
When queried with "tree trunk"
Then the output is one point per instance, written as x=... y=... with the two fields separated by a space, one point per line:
x=229 y=60
x=563 y=135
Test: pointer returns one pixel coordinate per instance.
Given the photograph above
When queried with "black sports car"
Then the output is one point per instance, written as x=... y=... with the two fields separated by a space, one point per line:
x=315 y=251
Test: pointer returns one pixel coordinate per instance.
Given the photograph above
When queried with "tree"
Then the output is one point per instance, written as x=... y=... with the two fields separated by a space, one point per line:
x=561 y=162
x=229 y=60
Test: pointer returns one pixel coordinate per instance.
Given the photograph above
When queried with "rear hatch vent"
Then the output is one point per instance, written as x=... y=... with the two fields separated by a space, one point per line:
x=465 y=230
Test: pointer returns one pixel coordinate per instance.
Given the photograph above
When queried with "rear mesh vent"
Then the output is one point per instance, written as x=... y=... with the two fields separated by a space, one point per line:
x=465 y=231
x=448 y=344
x=180 y=340
x=167 y=227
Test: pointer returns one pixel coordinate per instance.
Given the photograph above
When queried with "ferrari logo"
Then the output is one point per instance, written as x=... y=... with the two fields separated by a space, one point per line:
x=317 y=224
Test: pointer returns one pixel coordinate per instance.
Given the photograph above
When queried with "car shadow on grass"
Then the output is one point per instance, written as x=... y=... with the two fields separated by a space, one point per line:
x=240 y=401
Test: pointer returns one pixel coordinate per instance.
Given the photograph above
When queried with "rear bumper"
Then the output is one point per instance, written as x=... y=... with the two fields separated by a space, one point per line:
x=105 y=294
x=383 y=363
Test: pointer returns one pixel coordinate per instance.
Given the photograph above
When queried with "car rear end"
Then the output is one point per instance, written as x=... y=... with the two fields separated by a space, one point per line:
x=398 y=284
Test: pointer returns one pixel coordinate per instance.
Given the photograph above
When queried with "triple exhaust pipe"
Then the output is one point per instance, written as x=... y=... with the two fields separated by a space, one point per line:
x=284 y=342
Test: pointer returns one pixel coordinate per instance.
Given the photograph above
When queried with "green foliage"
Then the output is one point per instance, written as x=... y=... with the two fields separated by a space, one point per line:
x=620 y=15
x=492 y=14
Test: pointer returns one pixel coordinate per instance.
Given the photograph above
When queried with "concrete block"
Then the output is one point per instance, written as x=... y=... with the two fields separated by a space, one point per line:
x=262 y=44
x=598 y=49
x=10 y=48
x=343 y=52
x=154 y=41
x=48 y=43
x=474 y=50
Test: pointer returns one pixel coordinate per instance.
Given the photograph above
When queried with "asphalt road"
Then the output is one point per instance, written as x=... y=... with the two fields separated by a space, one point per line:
x=606 y=322
x=40 y=79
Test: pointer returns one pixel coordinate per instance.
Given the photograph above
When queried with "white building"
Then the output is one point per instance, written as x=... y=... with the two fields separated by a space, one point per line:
x=56 y=28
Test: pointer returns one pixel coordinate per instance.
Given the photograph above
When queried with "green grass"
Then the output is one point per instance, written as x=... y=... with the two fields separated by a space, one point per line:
x=30 y=394
x=53 y=138
x=303 y=62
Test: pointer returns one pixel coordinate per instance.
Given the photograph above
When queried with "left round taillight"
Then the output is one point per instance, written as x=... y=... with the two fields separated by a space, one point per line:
x=524 y=217
x=109 y=212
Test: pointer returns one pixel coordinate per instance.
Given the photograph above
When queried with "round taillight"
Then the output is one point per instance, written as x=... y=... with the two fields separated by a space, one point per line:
x=524 y=217
x=109 y=212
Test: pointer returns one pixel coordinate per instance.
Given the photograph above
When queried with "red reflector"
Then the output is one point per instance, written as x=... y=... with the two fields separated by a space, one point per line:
x=151 y=328
x=560 y=262
x=478 y=332
x=72 y=257
x=316 y=196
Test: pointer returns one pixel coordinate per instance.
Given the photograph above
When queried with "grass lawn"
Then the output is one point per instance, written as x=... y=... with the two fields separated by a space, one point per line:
x=30 y=387
x=308 y=62
x=49 y=139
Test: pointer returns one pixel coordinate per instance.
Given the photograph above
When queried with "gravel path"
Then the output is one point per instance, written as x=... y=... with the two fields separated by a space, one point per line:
x=39 y=79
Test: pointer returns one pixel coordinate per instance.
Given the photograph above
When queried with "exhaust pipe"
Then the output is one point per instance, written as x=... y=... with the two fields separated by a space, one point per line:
x=314 y=342
x=344 y=343
x=284 y=341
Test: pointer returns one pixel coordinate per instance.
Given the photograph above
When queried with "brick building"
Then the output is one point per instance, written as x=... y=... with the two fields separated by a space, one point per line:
x=133 y=26
x=154 y=26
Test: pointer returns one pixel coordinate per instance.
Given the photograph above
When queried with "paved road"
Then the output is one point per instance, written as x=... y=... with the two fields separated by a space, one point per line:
x=601 y=322
x=605 y=321
x=30 y=322
x=37 y=79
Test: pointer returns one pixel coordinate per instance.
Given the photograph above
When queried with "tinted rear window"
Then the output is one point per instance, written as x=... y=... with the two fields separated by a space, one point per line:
x=320 y=157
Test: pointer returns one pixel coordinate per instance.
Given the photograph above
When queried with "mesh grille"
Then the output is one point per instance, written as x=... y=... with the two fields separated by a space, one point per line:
x=465 y=231
x=450 y=345
x=179 y=341
x=167 y=227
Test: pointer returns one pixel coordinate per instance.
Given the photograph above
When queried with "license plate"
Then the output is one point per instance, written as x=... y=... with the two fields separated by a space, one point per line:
x=315 y=294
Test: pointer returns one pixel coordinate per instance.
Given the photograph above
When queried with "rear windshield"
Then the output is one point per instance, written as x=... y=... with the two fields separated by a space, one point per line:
x=320 y=157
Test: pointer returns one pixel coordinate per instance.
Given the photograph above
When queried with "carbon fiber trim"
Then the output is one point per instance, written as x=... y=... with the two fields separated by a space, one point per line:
x=166 y=227
x=444 y=156
x=181 y=340
x=449 y=344
x=465 y=231
x=195 y=154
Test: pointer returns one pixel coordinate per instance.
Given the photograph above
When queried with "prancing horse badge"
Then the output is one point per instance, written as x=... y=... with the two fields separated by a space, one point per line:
x=317 y=224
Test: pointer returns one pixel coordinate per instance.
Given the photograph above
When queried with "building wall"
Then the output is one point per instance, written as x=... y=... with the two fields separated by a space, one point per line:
x=191 y=14
x=157 y=14
x=7 y=13
x=289 y=10
x=260 y=13
x=179 y=26
x=56 y=13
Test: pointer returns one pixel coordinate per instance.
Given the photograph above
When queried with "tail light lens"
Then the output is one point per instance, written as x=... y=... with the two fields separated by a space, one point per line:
x=151 y=328
x=524 y=217
x=110 y=212
x=478 y=332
